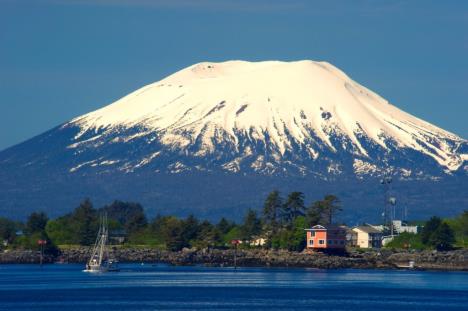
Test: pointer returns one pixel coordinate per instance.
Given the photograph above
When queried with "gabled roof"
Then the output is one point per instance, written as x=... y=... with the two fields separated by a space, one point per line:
x=326 y=227
x=367 y=229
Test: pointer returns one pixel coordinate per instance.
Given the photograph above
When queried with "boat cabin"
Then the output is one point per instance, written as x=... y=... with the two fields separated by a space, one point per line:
x=326 y=237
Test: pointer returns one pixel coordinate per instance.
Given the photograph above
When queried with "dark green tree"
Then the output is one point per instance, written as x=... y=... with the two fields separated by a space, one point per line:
x=442 y=238
x=252 y=225
x=191 y=230
x=209 y=236
x=7 y=230
x=331 y=205
x=271 y=210
x=35 y=230
x=463 y=223
x=315 y=214
x=36 y=223
x=224 y=226
x=135 y=223
x=429 y=228
x=129 y=215
x=322 y=211
x=86 y=223
x=460 y=228
x=172 y=232
x=157 y=224
x=293 y=207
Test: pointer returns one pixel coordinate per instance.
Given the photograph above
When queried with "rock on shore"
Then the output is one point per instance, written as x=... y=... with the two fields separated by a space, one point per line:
x=451 y=260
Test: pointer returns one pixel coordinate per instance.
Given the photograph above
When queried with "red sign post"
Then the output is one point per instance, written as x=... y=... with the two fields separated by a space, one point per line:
x=42 y=243
x=235 y=243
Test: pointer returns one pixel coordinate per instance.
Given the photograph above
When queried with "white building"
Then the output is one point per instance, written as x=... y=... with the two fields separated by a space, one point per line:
x=367 y=237
x=257 y=241
x=401 y=226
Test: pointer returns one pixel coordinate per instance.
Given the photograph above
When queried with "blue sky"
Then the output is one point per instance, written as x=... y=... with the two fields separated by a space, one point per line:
x=62 y=58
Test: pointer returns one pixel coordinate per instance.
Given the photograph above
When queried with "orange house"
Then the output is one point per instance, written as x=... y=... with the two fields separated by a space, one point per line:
x=326 y=237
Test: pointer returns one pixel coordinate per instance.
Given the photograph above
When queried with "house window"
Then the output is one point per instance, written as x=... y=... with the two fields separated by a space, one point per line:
x=311 y=242
x=321 y=242
x=312 y=233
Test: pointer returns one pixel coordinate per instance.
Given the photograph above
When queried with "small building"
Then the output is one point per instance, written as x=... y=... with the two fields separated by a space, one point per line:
x=401 y=226
x=257 y=241
x=326 y=237
x=117 y=236
x=367 y=237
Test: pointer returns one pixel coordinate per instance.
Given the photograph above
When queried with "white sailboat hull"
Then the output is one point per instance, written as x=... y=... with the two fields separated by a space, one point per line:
x=95 y=269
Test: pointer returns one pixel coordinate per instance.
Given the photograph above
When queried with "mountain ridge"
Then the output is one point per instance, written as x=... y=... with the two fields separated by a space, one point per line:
x=287 y=103
x=275 y=123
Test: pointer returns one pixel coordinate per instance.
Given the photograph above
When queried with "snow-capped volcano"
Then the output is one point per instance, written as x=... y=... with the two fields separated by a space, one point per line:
x=214 y=138
x=258 y=112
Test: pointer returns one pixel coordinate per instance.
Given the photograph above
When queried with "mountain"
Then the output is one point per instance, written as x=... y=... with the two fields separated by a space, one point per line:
x=214 y=138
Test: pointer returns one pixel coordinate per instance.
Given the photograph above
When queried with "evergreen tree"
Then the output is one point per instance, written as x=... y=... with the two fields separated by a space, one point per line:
x=293 y=207
x=460 y=227
x=429 y=228
x=135 y=223
x=224 y=226
x=463 y=224
x=36 y=230
x=172 y=232
x=157 y=224
x=209 y=236
x=314 y=214
x=252 y=226
x=36 y=223
x=442 y=238
x=331 y=207
x=129 y=215
x=86 y=222
x=191 y=229
x=322 y=212
x=7 y=230
x=271 y=210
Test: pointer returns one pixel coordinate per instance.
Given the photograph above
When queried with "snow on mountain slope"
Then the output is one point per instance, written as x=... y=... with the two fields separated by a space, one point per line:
x=281 y=105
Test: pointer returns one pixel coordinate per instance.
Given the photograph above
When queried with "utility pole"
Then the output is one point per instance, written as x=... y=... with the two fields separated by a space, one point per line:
x=389 y=204
x=235 y=243
x=41 y=244
x=385 y=181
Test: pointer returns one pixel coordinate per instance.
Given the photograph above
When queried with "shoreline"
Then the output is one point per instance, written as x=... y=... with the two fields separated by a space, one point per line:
x=456 y=260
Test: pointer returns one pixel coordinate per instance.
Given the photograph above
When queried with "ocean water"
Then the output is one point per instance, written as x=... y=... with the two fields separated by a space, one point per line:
x=162 y=287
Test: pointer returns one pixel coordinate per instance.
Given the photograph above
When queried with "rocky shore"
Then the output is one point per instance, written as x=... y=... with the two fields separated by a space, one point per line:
x=369 y=259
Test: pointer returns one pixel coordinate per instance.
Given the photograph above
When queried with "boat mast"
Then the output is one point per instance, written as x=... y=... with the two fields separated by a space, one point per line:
x=103 y=239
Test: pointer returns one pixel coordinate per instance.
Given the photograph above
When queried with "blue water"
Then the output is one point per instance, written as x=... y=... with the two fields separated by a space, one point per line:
x=148 y=287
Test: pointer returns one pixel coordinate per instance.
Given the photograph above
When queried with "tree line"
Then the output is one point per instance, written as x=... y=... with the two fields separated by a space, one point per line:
x=279 y=223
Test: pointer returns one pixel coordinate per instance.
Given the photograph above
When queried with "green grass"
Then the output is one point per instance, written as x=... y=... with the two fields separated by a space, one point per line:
x=407 y=241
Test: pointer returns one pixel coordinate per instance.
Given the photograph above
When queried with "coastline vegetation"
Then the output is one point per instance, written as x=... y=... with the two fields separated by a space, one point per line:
x=280 y=225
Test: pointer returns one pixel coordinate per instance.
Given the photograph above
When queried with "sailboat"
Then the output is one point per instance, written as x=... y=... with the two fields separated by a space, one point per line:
x=100 y=260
